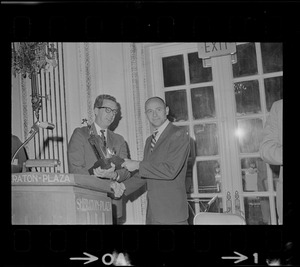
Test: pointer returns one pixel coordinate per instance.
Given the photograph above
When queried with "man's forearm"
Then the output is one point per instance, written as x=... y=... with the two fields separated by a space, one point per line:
x=133 y=183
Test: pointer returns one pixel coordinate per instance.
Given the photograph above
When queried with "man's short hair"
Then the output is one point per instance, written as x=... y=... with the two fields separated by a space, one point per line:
x=155 y=97
x=99 y=100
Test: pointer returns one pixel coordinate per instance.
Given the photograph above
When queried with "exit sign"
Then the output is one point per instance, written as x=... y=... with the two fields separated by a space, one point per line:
x=207 y=50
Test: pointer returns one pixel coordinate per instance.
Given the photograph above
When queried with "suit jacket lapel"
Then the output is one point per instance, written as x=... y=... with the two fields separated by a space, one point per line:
x=161 y=139
x=164 y=135
x=109 y=139
x=147 y=148
x=94 y=129
x=98 y=136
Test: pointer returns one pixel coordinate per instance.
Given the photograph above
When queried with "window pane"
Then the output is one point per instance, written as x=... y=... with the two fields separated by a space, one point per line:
x=206 y=139
x=257 y=210
x=254 y=175
x=203 y=102
x=247 y=97
x=273 y=90
x=246 y=60
x=177 y=103
x=208 y=176
x=249 y=135
x=173 y=70
x=271 y=57
x=198 y=74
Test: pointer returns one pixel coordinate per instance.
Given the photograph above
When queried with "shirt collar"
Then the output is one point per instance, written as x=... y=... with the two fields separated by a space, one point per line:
x=161 y=128
x=98 y=128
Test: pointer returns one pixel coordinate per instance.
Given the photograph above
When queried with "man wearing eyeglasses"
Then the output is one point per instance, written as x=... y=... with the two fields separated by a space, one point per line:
x=81 y=156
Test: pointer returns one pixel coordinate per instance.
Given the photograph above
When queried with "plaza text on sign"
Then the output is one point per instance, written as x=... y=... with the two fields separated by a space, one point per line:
x=207 y=50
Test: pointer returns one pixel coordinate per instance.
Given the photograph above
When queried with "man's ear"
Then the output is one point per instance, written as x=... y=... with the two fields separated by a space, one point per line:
x=167 y=111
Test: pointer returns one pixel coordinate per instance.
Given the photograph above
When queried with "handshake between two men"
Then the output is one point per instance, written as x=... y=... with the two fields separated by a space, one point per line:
x=117 y=187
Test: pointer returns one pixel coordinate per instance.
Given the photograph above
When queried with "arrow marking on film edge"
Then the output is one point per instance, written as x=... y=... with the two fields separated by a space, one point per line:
x=241 y=257
x=90 y=258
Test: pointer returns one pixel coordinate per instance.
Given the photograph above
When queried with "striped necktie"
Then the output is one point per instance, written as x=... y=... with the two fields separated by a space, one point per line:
x=103 y=137
x=153 y=140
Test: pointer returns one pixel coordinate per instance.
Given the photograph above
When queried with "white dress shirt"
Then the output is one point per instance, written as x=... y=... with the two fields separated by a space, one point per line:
x=98 y=128
x=160 y=129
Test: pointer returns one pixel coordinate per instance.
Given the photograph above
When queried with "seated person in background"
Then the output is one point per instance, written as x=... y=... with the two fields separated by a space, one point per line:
x=20 y=158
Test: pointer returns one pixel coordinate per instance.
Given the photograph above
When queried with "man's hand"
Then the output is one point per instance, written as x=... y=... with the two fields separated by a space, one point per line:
x=118 y=188
x=131 y=165
x=107 y=173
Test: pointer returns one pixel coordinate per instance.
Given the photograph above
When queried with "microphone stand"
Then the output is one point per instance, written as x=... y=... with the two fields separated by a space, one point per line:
x=34 y=130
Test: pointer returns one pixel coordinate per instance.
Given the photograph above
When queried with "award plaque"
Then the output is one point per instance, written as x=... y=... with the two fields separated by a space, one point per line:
x=105 y=161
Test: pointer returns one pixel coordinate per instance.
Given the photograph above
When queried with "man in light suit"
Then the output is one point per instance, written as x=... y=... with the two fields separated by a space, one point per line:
x=163 y=168
x=81 y=156
x=271 y=149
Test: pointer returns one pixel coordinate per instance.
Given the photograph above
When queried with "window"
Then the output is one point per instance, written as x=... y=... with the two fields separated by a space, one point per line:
x=223 y=107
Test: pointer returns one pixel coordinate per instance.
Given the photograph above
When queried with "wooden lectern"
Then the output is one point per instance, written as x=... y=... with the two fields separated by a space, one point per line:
x=60 y=198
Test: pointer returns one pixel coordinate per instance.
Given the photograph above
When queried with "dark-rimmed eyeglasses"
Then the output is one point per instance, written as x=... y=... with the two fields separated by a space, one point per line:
x=109 y=110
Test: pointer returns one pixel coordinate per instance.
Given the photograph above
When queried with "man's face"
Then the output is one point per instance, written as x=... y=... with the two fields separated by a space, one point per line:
x=156 y=112
x=106 y=114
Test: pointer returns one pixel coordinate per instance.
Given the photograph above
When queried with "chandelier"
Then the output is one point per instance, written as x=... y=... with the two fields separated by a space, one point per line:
x=29 y=58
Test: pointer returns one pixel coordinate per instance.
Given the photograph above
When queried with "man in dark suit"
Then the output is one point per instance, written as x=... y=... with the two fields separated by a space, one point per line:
x=163 y=168
x=81 y=156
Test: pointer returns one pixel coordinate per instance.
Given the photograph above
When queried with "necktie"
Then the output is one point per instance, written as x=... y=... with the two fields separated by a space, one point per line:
x=153 y=140
x=103 y=139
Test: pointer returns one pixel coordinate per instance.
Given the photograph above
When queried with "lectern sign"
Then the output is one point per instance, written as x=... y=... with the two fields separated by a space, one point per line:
x=207 y=50
x=60 y=198
x=92 y=210
x=41 y=178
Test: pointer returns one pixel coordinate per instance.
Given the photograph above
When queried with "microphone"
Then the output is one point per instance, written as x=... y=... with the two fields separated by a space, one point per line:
x=34 y=130
x=45 y=125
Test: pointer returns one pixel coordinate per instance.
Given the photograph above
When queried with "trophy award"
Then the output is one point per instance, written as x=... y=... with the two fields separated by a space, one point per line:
x=105 y=156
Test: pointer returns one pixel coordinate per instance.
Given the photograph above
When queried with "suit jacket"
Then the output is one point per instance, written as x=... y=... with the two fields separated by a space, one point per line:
x=271 y=148
x=271 y=145
x=164 y=171
x=81 y=156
